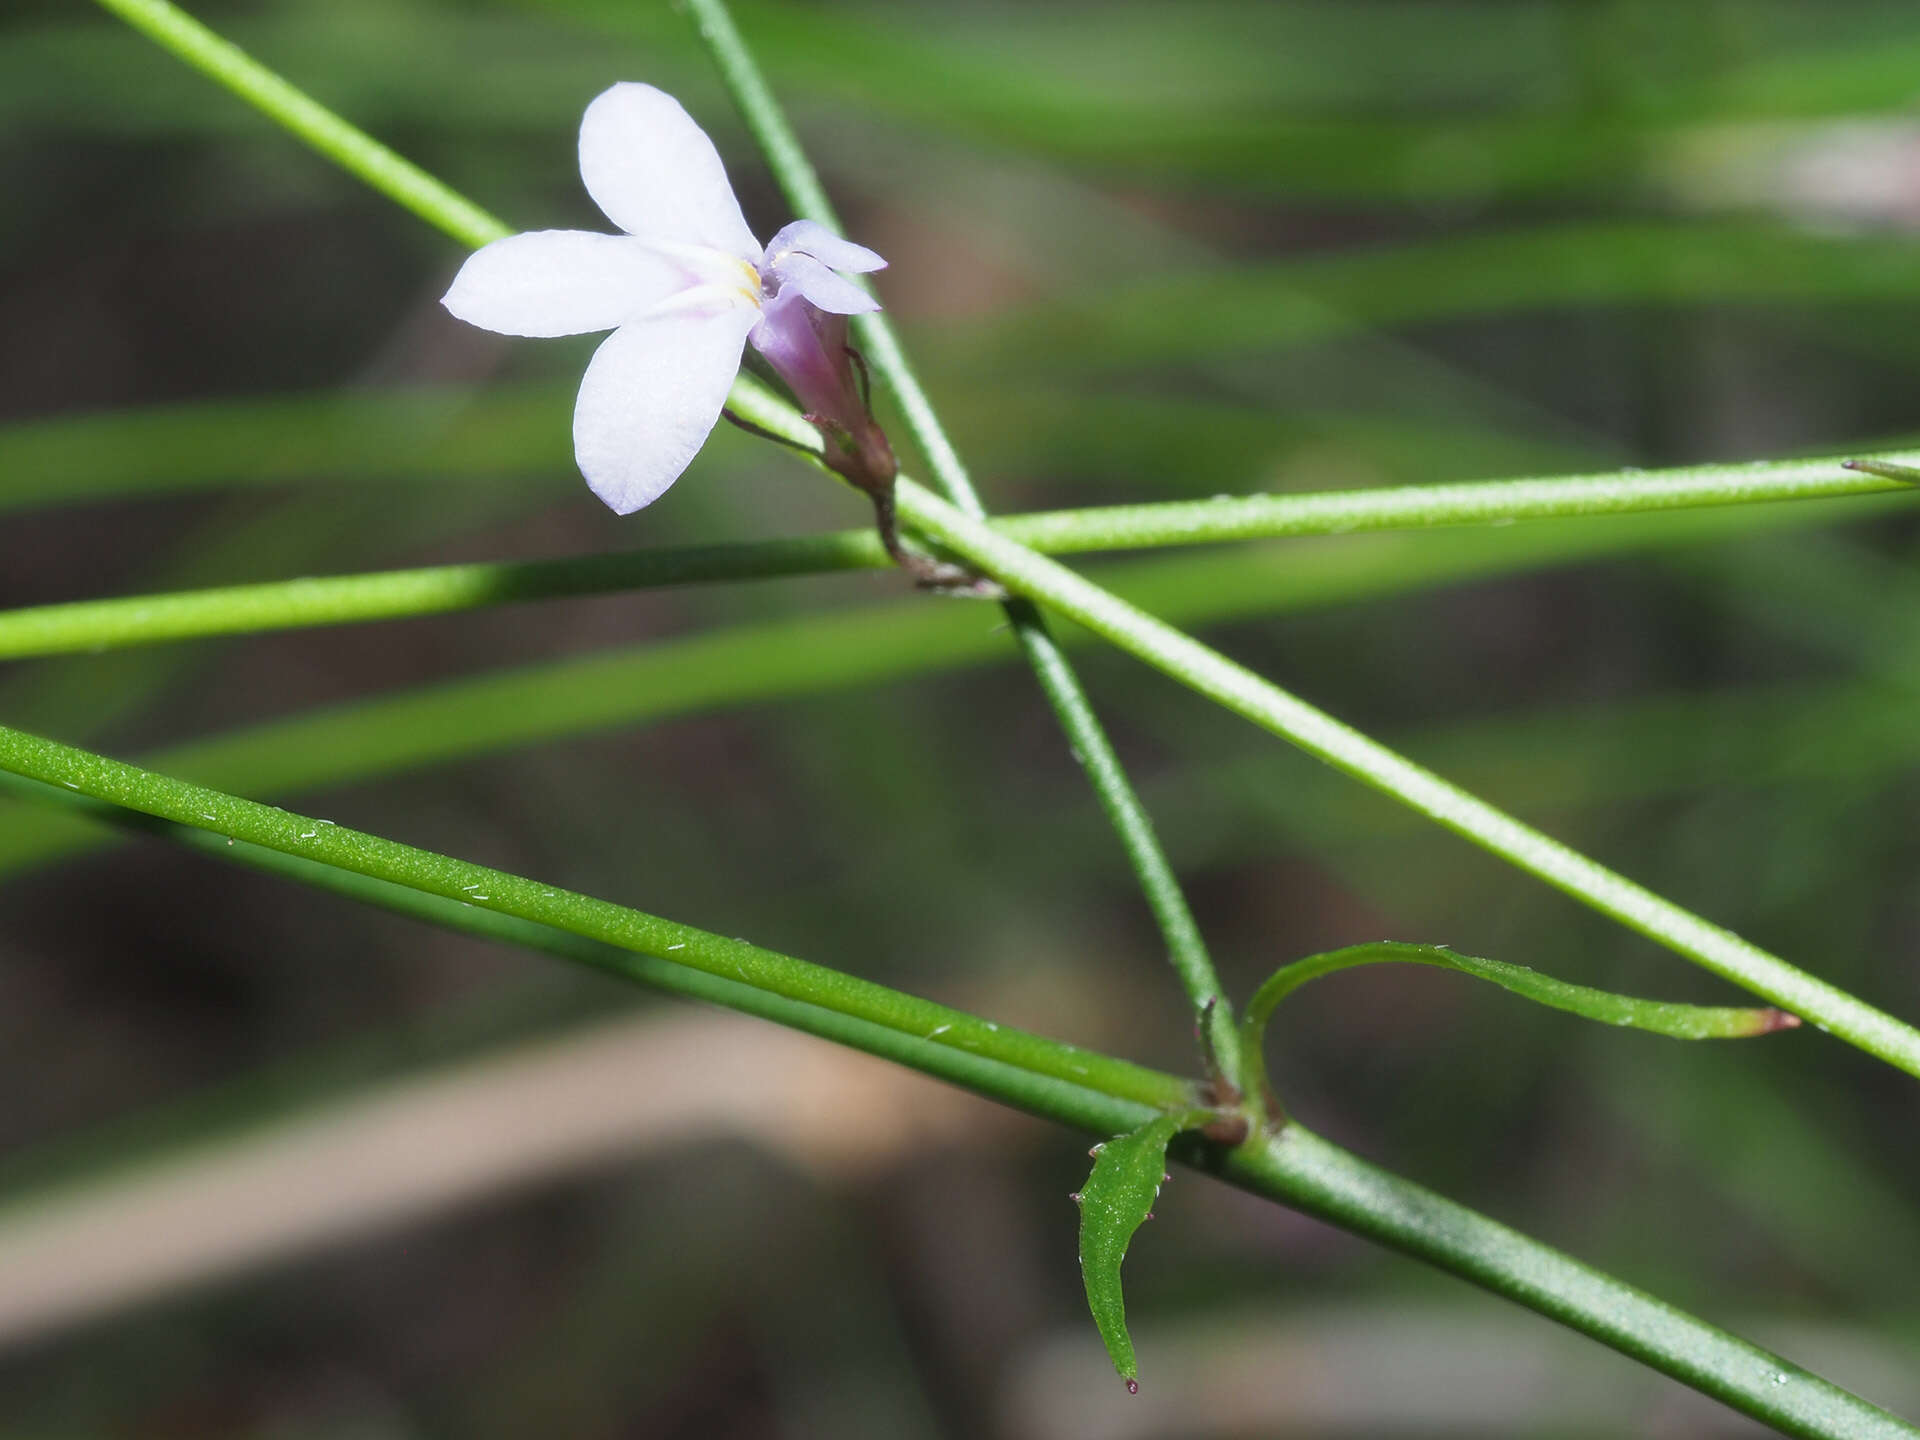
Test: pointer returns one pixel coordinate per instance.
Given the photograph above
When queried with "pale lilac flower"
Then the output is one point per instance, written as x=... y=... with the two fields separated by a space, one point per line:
x=682 y=290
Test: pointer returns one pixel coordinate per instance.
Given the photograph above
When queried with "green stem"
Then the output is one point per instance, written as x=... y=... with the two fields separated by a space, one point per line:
x=1068 y=1101
x=1087 y=738
x=1238 y=689
x=1296 y=1167
x=86 y=625
x=355 y=151
x=1302 y=1170
x=322 y=841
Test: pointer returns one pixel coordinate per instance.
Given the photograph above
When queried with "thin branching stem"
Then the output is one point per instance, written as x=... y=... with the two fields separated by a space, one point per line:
x=348 y=146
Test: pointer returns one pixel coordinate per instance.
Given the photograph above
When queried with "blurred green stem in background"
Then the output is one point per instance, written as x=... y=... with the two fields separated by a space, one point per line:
x=1096 y=1093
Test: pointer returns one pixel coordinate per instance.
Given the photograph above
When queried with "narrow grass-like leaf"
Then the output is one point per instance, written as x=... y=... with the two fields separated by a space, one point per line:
x=1117 y=1201
x=1681 y=1022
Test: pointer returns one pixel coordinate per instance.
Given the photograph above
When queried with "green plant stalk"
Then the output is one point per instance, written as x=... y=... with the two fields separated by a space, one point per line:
x=320 y=840
x=1086 y=737
x=433 y=590
x=1068 y=1101
x=356 y=152
x=1312 y=1175
x=1240 y=690
x=1296 y=1167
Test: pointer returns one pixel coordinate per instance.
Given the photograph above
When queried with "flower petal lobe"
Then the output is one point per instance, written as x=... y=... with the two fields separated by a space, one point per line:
x=826 y=290
x=656 y=174
x=559 y=282
x=650 y=398
x=813 y=238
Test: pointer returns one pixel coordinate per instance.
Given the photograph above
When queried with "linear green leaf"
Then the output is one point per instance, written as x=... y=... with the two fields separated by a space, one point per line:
x=1680 y=1022
x=1117 y=1201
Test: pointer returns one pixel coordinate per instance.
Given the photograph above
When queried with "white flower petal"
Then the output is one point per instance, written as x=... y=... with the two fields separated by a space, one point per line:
x=651 y=397
x=657 y=175
x=560 y=282
x=825 y=246
x=825 y=289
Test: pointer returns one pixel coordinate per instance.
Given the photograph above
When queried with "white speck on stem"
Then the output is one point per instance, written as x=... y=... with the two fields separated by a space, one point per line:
x=678 y=945
x=939 y=1030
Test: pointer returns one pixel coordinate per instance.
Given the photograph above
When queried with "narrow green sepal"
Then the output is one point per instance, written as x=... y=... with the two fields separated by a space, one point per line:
x=1118 y=1200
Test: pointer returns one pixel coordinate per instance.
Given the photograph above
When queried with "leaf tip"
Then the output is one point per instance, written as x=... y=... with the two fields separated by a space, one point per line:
x=1772 y=1019
x=1133 y=1386
x=1885 y=469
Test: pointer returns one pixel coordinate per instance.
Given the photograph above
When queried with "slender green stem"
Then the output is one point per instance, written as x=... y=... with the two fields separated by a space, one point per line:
x=319 y=840
x=1071 y=1102
x=1302 y=1170
x=1210 y=673
x=1086 y=737
x=432 y=590
x=355 y=151
x=1296 y=1167
x=1479 y=502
